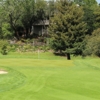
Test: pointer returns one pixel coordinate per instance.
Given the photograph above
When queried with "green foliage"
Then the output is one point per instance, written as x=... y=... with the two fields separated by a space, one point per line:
x=3 y=42
x=93 y=44
x=51 y=8
x=0 y=31
x=86 y=2
x=42 y=39
x=67 y=28
x=28 y=9
x=91 y=9
x=3 y=47
x=12 y=48
x=97 y=17
x=4 y=50
x=27 y=48
x=89 y=19
x=69 y=24
x=6 y=31
x=44 y=48
x=12 y=12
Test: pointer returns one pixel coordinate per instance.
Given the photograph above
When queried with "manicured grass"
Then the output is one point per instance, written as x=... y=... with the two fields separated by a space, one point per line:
x=49 y=77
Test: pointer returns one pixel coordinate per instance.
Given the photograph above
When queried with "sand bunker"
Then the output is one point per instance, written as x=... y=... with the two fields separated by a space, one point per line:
x=3 y=72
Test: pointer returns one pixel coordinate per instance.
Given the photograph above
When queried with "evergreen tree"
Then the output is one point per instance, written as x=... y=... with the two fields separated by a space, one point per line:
x=67 y=29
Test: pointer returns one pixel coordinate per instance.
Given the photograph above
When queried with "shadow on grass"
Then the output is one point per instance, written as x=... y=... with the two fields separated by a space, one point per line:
x=59 y=54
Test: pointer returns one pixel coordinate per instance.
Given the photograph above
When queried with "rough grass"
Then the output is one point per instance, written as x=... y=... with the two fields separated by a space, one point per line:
x=49 y=78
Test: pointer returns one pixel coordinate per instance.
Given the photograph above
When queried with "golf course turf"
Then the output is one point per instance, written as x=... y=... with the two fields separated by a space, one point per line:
x=49 y=77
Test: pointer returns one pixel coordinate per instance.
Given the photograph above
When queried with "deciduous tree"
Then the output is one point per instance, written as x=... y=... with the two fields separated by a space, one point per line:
x=93 y=44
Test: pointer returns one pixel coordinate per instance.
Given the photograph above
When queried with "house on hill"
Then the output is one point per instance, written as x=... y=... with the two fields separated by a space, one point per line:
x=39 y=28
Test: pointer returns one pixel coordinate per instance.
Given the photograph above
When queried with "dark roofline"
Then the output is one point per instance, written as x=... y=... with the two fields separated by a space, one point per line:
x=41 y=22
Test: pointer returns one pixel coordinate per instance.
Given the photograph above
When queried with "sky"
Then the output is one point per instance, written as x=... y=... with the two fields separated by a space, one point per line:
x=98 y=1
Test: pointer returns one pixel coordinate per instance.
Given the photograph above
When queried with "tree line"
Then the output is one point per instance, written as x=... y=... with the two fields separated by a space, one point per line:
x=17 y=16
x=74 y=25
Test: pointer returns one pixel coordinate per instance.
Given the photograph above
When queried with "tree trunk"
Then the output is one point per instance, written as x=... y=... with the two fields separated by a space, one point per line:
x=68 y=56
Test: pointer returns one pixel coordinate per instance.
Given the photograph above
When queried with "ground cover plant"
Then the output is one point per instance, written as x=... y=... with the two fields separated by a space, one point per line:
x=48 y=77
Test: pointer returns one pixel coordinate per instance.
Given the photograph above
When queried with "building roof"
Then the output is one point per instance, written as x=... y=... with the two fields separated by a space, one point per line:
x=41 y=22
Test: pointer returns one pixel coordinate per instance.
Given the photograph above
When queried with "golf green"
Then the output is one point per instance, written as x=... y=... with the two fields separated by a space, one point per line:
x=29 y=78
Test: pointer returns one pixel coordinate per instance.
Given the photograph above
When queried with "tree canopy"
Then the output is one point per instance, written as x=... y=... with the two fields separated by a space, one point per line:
x=67 y=28
x=70 y=22
x=93 y=44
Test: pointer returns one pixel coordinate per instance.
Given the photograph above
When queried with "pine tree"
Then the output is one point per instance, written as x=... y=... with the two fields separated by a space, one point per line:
x=67 y=29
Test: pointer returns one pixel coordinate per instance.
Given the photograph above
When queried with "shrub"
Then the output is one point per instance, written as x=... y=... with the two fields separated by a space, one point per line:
x=3 y=42
x=3 y=47
x=4 y=50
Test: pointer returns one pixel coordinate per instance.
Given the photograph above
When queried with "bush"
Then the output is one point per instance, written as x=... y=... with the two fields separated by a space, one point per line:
x=3 y=47
x=3 y=42
x=4 y=50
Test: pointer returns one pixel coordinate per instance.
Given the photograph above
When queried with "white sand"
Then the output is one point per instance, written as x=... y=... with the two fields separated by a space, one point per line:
x=3 y=72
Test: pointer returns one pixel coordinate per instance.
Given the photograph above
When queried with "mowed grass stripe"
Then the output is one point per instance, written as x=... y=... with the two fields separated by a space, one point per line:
x=35 y=62
x=13 y=79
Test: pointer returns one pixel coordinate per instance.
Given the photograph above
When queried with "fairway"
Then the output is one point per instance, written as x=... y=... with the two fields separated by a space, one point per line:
x=49 y=77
